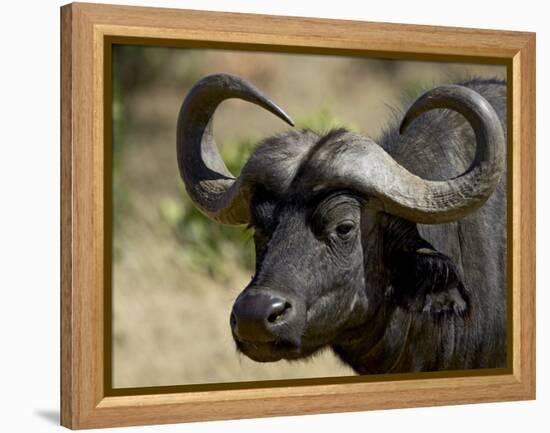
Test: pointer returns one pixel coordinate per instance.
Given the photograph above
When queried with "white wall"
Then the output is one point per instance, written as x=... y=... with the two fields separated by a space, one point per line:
x=29 y=219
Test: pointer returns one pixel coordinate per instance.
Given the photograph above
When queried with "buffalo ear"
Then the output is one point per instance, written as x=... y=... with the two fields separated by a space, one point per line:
x=422 y=278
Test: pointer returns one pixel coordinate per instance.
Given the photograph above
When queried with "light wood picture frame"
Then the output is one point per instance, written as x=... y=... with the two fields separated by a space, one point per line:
x=88 y=32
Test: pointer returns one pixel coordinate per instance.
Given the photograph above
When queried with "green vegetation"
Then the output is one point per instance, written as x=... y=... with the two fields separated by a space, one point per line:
x=322 y=121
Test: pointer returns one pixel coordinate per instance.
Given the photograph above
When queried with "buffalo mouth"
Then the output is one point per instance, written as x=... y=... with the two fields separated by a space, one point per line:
x=272 y=351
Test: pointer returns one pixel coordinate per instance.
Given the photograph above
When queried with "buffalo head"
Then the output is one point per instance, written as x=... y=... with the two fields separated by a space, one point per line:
x=334 y=219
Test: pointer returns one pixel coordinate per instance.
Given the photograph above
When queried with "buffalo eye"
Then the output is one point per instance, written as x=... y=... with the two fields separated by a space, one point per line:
x=345 y=229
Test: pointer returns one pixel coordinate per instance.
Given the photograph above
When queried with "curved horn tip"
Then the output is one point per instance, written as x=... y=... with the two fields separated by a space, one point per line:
x=256 y=95
x=287 y=118
x=271 y=106
x=419 y=106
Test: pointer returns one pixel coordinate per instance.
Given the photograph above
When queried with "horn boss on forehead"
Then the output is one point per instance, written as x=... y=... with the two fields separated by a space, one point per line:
x=355 y=162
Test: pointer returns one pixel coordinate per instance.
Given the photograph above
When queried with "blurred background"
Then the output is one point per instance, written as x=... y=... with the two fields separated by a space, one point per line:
x=175 y=273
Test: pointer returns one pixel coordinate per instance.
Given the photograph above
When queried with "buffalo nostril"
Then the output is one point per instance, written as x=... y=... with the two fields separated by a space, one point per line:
x=278 y=309
x=259 y=316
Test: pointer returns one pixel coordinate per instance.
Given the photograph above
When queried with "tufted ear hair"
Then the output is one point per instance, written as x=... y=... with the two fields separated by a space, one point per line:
x=421 y=278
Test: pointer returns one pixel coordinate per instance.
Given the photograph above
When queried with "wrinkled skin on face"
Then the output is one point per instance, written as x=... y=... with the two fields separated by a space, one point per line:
x=342 y=266
x=311 y=254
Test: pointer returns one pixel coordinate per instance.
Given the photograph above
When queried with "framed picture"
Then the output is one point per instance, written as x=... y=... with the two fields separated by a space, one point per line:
x=354 y=231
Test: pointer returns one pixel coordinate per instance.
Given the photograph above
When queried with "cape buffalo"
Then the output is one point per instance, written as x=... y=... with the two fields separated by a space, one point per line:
x=392 y=253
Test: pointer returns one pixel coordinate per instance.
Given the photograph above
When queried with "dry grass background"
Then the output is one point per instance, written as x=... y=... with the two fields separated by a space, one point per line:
x=170 y=315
